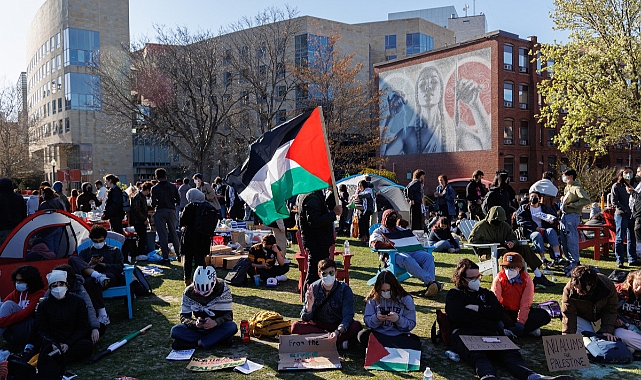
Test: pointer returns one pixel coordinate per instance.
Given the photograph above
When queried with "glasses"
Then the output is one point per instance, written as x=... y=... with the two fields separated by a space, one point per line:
x=474 y=278
x=330 y=273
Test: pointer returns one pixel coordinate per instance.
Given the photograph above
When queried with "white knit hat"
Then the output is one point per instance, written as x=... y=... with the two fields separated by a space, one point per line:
x=57 y=276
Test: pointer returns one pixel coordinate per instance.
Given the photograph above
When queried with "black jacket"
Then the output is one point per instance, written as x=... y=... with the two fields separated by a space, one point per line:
x=13 y=208
x=415 y=191
x=486 y=319
x=473 y=189
x=138 y=213
x=84 y=199
x=113 y=205
x=164 y=195
x=315 y=220
x=525 y=221
x=63 y=321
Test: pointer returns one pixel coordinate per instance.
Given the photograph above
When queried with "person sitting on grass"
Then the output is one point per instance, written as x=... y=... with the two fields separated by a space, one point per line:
x=267 y=260
x=328 y=308
x=441 y=237
x=206 y=316
x=514 y=289
x=629 y=316
x=17 y=309
x=419 y=264
x=476 y=311
x=389 y=309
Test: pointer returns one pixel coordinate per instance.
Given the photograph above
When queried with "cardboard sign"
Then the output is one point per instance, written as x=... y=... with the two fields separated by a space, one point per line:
x=296 y=352
x=213 y=363
x=488 y=343
x=565 y=352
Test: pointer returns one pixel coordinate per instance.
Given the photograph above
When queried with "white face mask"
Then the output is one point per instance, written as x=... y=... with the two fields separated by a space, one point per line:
x=386 y=294
x=627 y=176
x=565 y=179
x=511 y=273
x=21 y=287
x=59 y=292
x=99 y=245
x=474 y=285
x=328 y=280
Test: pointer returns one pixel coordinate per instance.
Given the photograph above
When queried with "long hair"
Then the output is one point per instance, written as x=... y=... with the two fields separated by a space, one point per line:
x=462 y=265
x=417 y=174
x=582 y=276
x=443 y=222
x=629 y=280
x=386 y=277
x=620 y=179
x=30 y=275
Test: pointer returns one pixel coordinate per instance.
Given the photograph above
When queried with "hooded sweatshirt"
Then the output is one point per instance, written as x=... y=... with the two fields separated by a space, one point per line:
x=13 y=208
x=486 y=232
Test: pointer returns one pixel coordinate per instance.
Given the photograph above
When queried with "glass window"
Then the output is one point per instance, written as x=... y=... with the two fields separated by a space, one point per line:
x=508 y=94
x=53 y=107
x=82 y=47
x=390 y=41
x=551 y=136
x=281 y=92
x=552 y=163
x=523 y=169
x=417 y=43
x=508 y=132
x=309 y=46
x=57 y=40
x=524 y=132
x=281 y=117
x=227 y=78
x=59 y=104
x=524 y=63
x=508 y=165
x=507 y=57
x=619 y=162
x=52 y=43
x=46 y=47
x=390 y=57
x=82 y=91
x=523 y=97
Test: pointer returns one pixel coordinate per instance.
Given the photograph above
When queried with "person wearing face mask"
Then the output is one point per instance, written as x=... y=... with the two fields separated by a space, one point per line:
x=101 y=266
x=328 y=308
x=539 y=223
x=624 y=220
x=514 y=289
x=17 y=309
x=205 y=188
x=629 y=315
x=389 y=309
x=419 y=264
x=414 y=193
x=476 y=311
x=572 y=202
x=589 y=297
x=441 y=237
x=63 y=325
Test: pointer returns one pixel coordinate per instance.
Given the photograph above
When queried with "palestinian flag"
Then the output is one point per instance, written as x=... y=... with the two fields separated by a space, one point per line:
x=290 y=159
x=404 y=240
x=399 y=353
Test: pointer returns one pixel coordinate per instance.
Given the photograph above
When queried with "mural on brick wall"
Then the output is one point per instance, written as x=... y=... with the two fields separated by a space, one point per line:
x=438 y=106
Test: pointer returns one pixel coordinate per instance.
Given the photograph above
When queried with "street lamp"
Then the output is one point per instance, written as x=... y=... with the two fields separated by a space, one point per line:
x=53 y=170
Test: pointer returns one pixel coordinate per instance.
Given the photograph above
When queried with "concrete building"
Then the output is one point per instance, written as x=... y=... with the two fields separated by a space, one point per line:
x=64 y=43
x=472 y=106
x=464 y=28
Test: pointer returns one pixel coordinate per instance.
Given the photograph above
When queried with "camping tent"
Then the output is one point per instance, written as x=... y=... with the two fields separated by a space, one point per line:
x=393 y=192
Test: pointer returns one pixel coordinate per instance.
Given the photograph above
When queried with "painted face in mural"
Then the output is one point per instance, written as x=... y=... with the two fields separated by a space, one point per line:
x=429 y=88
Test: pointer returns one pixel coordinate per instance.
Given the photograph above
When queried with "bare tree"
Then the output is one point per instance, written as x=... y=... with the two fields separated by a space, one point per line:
x=596 y=181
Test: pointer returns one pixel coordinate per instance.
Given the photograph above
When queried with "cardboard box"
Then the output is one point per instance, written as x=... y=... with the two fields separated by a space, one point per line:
x=296 y=352
x=219 y=249
x=216 y=260
x=229 y=262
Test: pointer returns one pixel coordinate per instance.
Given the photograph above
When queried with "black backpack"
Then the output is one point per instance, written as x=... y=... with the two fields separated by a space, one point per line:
x=237 y=276
x=126 y=202
x=139 y=285
x=206 y=219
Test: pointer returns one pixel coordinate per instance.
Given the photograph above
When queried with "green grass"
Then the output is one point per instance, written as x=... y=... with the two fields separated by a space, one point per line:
x=144 y=357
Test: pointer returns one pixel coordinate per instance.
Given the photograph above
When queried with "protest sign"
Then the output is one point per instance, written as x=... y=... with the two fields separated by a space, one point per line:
x=297 y=352
x=488 y=343
x=213 y=363
x=565 y=352
x=393 y=353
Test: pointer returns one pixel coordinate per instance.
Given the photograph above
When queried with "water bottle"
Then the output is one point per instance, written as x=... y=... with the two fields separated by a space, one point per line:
x=452 y=356
x=346 y=247
x=427 y=375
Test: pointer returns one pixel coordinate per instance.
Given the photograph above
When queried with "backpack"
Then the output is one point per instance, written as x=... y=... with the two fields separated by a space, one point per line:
x=601 y=350
x=237 y=276
x=206 y=219
x=126 y=203
x=139 y=285
x=269 y=324
x=444 y=331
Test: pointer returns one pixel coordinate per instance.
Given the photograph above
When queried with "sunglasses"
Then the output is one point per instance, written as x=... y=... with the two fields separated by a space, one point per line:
x=330 y=273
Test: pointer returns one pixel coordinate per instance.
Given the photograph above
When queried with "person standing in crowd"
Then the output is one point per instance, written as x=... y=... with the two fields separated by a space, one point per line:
x=32 y=203
x=499 y=195
x=445 y=196
x=13 y=208
x=474 y=193
x=205 y=188
x=268 y=260
x=164 y=198
x=101 y=194
x=182 y=191
x=623 y=219
x=343 y=197
x=87 y=198
x=316 y=224
x=206 y=316
x=514 y=289
x=364 y=197
x=572 y=203
x=113 y=211
x=73 y=200
x=57 y=187
x=414 y=193
x=587 y=298
x=17 y=309
x=539 y=222
x=321 y=316
x=635 y=205
x=389 y=309
x=194 y=245
x=473 y=310
x=222 y=193
x=139 y=217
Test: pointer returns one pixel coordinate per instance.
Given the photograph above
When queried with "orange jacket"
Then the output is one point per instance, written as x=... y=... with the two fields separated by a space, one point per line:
x=515 y=296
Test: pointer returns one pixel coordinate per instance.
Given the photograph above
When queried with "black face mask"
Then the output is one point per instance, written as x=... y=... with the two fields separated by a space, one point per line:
x=496 y=222
x=534 y=201
x=391 y=222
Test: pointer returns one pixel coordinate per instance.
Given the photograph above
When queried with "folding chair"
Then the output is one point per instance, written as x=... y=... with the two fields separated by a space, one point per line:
x=388 y=261
x=491 y=265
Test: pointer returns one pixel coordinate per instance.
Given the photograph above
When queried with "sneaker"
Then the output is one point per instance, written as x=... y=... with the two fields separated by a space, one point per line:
x=281 y=278
x=432 y=289
x=547 y=264
x=103 y=280
x=536 y=332
x=561 y=262
x=180 y=344
x=543 y=281
x=345 y=345
x=620 y=265
x=104 y=319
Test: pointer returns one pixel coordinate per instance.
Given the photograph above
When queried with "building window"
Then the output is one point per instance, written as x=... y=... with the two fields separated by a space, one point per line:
x=551 y=136
x=552 y=164
x=244 y=97
x=524 y=62
x=524 y=133
x=390 y=57
x=53 y=107
x=619 y=162
x=280 y=70
x=82 y=92
x=508 y=94
x=227 y=78
x=281 y=92
x=281 y=117
x=418 y=43
x=58 y=41
x=508 y=165
x=52 y=43
x=523 y=97
x=82 y=47
x=507 y=57
x=308 y=46
x=523 y=169
x=390 y=41
x=508 y=132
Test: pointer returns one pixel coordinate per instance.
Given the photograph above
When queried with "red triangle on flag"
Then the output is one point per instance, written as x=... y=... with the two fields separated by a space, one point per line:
x=309 y=149
x=375 y=351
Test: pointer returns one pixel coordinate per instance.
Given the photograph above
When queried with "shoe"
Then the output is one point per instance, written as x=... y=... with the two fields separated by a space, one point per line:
x=164 y=262
x=345 y=345
x=179 y=344
x=620 y=265
x=543 y=281
x=547 y=264
x=281 y=278
x=536 y=332
x=432 y=289
x=561 y=262
x=103 y=280
x=635 y=263
x=451 y=250
x=104 y=319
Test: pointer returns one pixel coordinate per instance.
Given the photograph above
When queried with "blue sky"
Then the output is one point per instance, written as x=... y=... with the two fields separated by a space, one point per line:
x=524 y=18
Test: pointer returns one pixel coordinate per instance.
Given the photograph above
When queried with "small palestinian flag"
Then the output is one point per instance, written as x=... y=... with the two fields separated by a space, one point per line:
x=290 y=159
x=404 y=241
x=399 y=353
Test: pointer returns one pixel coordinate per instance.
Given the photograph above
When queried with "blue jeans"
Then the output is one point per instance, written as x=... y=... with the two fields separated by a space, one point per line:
x=419 y=264
x=443 y=245
x=570 y=237
x=223 y=211
x=539 y=240
x=208 y=338
x=625 y=229
x=165 y=222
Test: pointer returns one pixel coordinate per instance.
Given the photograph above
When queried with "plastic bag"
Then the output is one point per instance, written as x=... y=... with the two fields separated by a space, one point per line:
x=154 y=256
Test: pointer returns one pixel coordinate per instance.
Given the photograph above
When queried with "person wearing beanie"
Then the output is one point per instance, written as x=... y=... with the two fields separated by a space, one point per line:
x=514 y=289
x=193 y=245
x=87 y=198
x=57 y=187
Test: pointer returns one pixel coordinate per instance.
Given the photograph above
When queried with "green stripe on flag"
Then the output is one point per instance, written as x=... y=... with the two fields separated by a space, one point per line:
x=392 y=366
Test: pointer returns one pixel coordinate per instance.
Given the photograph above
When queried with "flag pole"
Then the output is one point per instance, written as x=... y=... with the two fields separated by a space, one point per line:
x=329 y=157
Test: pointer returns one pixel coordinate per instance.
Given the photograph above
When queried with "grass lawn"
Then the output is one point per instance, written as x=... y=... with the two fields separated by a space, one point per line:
x=144 y=357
